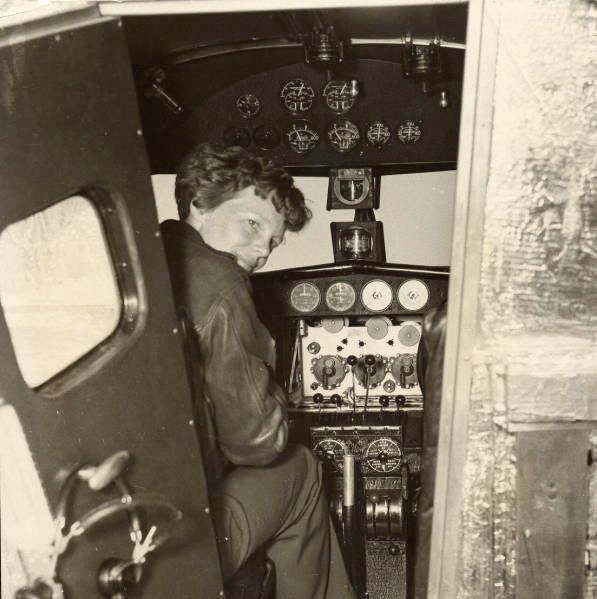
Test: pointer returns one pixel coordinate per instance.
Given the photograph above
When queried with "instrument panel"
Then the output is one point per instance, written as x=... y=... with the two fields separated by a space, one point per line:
x=301 y=116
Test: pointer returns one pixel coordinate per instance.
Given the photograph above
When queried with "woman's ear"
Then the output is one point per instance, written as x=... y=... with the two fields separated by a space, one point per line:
x=196 y=215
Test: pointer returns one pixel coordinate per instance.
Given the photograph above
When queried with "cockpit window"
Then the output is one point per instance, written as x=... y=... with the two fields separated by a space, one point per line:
x=58 y=287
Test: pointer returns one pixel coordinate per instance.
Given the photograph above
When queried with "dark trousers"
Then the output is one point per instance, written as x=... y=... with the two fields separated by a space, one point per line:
x=282 y=507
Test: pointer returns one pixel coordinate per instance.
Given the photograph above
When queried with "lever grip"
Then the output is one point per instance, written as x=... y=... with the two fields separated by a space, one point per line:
x=106 y=472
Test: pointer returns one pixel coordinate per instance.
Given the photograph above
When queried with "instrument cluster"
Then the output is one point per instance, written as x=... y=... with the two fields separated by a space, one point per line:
x=305 y=116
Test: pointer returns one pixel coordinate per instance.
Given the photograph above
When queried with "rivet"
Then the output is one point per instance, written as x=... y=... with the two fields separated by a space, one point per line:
x=175 y=331
x=139 y=132
x=191 y=422
x=157 y=233
x=221 y=593
x=119 y=24
x=123 y=264
x=527 y=533
x=206 y=510
x=57 y=37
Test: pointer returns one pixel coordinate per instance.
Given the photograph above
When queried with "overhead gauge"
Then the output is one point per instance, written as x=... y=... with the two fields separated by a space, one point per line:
x=305 y=297
x=237 y=136
x=378 y=134
x=343 y=135
x=331 y=452
x=248 y=105
x=340 y=296
x=297 y=96
x=376 y=295
x=340 y=95
x=301 y=137
x=409 y=132
x=266 y=137
x=413 y=295
x=383 y=455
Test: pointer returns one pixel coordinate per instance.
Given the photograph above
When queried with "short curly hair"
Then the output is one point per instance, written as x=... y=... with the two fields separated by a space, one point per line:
x=208 y=177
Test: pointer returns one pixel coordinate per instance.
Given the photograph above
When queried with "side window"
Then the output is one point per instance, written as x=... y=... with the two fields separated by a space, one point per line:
x=58 y=287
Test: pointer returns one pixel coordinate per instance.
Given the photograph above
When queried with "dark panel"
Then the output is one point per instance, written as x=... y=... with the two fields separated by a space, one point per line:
x=552 y=497
x=70 y=122
x=385 y=95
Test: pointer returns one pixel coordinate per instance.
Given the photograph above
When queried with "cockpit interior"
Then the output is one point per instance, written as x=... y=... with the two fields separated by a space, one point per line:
x=363 y=106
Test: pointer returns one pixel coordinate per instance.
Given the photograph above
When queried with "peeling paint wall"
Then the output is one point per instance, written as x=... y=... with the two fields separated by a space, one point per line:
x=535 y=362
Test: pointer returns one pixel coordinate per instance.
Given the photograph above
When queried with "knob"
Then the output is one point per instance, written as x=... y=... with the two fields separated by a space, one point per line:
x=400 y=400
x=337 y=399
x=351 y=360
x=369 y=359
x=382 y=456
x=317 y=397
x=384 y=401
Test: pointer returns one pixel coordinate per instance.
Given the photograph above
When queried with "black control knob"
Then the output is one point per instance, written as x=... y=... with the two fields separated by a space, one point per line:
x=369 y=359
x=400 y=400
x=382 y=456
x=351 y=360
x=337 y=399
x=384 y=401
x=317 y=397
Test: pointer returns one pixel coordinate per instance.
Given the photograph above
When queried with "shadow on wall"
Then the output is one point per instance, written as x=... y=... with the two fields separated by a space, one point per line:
x=416 y=211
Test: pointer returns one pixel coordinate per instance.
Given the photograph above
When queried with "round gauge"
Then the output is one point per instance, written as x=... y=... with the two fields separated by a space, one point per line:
x=409 y=335
x=409 y=132
x=331 y=452
x=378 y=327
x=248 y=105
x=340 y=296
x=237 y=136
x=413 y=295
x=378 y=134
x=376 y=295
x=304 y=297
x=343 y=135
x=383 y=455
x=297 y=96
x=329 y=371
x=334 y=324
x=340 y=95
x=301 y=137
x=266 y=137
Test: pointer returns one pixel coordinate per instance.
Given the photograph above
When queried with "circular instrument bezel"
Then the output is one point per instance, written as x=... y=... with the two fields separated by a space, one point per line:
x=313 y=299
x=297 y=101
x=309 y=137
x=266 y=137
x=237 y=136
x=249 y=105
x=384 y=140
x=334 y=289
x=395 y=456
x=337 y=95
x=327 y=445
x=413 y=295
x=409 y=132
x=343 y=135
x=377 y=295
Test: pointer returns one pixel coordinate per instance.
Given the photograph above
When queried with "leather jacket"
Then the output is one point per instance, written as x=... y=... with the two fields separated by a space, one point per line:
x=240 y=411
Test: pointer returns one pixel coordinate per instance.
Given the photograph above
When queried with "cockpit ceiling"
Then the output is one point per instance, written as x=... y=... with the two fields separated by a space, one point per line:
x=153 y=38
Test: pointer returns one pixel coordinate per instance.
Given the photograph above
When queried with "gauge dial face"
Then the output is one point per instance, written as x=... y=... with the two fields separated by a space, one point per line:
x=331 y=452
x=409 y=335
x=378 y=134
x=297 y=96
x=383 y=455
x=248 y=105
x=266 y=137
x=340 y=296
x=301 y=137
x=343 y=135
x=413 y=295
x=237 y=136
x=376 y=295
x=378 y=327
x=339 y=95
x=409 y=132
x=305 y=297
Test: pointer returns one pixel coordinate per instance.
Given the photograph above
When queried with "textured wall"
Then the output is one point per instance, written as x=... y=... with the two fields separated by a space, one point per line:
x=535 y=361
